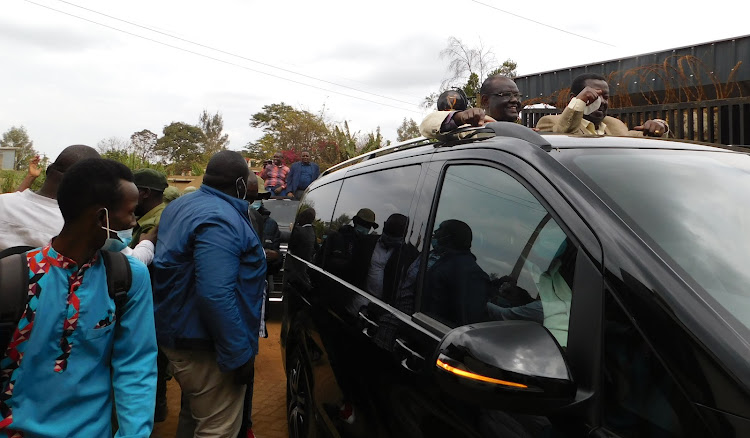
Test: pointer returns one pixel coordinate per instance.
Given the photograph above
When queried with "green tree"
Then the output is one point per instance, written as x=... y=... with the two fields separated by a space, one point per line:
x=212 y=127
x=286 y=128
x=143 y=145
x=508 y=68
x=181 y=145
x=372 y=141
x=407 y=130
x=17 y=137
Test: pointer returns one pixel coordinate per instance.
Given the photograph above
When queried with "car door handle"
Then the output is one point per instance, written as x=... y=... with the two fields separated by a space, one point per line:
x=412 y=361
x=368 y=324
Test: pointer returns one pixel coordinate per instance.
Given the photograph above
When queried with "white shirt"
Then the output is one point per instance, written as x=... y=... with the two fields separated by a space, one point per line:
x=33 y=220
x=28 y=219
x=376 y=274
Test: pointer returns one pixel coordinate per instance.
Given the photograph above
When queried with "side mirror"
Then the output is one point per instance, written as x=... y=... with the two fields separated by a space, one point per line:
x=512 y=365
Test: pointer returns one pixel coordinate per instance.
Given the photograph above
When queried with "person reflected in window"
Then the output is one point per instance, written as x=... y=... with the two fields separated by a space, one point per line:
x=347 y=252
x=302 y=242
x=457 y=288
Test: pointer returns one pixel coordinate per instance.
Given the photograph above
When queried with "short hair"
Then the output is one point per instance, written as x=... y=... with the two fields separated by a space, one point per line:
x=71 y=155
x=224 y=168
x=90 y=182
x=579 y=83
x=489 y=84
x=306 y=216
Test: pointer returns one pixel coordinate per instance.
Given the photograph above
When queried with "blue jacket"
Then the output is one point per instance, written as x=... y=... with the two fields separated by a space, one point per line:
x=292 y=178
x=209 y=276
x=56 y=391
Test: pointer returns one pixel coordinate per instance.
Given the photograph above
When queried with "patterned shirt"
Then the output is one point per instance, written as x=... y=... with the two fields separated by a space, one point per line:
x=68 y=353
x=274 y=176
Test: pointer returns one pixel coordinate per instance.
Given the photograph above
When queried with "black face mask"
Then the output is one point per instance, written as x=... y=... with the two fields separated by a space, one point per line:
x=391 y=241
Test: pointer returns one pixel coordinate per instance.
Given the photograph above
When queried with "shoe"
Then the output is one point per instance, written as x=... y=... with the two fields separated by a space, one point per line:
x=346 y=413
x=160 y=413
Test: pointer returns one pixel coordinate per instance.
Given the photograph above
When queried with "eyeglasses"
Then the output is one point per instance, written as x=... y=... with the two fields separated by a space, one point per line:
x=507 y=94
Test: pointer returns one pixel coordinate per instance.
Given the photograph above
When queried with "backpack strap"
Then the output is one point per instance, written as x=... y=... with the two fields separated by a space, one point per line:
x=119 y=279
x=14 y=292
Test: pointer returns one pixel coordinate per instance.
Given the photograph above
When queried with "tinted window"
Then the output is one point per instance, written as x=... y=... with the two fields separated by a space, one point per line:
x=496 y=254
x=693 y=205
x=366 y=245
x=640 y=397
x=309 y=229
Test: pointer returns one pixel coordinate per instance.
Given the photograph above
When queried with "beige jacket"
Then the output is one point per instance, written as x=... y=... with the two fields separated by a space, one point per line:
x=571 y=121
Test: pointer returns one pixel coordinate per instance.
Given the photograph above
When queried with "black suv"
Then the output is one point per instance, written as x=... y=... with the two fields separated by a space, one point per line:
x=518 y=285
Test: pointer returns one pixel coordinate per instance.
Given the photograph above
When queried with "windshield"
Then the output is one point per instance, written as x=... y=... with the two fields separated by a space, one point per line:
x=695 y=206
x=282 y=210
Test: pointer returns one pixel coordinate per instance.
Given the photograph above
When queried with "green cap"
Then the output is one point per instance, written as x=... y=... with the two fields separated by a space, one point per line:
x=171 y=193
x=150 y=179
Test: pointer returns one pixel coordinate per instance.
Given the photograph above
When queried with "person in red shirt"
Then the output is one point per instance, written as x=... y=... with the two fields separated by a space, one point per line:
x=274 y=174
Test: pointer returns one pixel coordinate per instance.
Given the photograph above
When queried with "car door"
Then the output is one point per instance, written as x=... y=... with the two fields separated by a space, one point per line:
x=500 y=244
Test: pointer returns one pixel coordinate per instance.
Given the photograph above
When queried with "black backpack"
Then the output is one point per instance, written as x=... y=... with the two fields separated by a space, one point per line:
x=14 y=287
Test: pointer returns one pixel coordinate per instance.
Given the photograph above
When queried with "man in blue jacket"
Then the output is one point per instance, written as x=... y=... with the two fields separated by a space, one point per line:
x=73 y=347
x=300 y=175
x=209 y=276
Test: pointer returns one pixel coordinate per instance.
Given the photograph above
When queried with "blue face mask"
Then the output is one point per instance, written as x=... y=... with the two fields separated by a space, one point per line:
x=361 y=229
x=113 y=243
x=126 y=236
x=256 y=205
x=434 y=243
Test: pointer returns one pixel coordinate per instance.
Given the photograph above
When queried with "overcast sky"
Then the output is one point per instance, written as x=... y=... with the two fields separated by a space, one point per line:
x=68 y=80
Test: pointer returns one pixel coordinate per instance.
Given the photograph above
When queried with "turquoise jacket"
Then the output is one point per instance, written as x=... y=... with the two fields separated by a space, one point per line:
x=209 y=277
x=69 y=355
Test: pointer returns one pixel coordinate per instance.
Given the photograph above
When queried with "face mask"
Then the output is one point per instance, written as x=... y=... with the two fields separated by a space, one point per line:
x=126 y=236
x=256 y=205
x=434 y=243
x=244 y=185
x=112 y=243
x=361 y=229
x=390 y=241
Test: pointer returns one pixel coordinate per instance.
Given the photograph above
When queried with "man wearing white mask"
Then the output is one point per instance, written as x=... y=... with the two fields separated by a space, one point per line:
x=209 y=277
x=74 y=346
x=586 y=114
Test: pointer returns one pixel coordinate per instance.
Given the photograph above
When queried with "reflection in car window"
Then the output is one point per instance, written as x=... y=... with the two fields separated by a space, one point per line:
x=322 y=201
x=681 y=216
x=496 y=254
x=366 y=243
x=641 y=398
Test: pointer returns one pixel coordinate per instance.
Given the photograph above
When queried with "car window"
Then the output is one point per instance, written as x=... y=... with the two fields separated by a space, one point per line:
x=313 y=220
x=496 y=254
x=283 y=211
x=366 y=243
x=697 y=219
x=641 y=399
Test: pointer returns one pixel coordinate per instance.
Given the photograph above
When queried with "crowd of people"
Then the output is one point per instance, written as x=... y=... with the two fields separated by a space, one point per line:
x=188 y=298
x=124 y=283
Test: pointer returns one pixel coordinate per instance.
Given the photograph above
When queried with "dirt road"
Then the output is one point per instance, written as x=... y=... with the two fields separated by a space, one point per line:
x=269 y=397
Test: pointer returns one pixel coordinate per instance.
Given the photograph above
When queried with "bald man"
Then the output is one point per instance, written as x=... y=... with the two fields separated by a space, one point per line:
x=209 y=277
x=33 y=218
x=499 y=100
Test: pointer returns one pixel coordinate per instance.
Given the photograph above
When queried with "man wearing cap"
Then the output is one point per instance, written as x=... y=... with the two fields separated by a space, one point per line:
x=347 y=252
x=151 y=185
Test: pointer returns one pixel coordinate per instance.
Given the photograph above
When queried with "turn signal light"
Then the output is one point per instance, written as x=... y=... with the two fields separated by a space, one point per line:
x=474 y=376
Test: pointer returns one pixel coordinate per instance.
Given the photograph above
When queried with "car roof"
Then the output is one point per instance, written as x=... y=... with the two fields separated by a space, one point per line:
x=504 y=135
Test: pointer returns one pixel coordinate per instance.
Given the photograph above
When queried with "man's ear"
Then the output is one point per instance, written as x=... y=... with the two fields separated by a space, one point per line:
x=483 y=101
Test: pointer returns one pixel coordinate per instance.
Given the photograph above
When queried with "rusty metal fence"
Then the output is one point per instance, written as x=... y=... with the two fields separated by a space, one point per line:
x=725 y=121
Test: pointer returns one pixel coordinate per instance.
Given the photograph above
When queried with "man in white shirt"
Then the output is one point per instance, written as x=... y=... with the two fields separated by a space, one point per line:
x=32 y=219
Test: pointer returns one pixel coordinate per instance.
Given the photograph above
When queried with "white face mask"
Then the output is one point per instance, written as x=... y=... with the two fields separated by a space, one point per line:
x=244 y=184
x=112 y=243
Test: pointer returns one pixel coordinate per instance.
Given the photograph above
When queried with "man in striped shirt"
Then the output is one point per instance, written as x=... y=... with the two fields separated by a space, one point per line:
x=274 y=174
